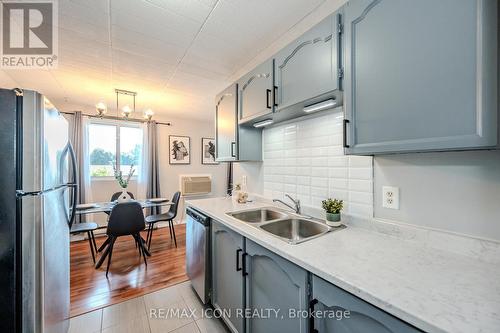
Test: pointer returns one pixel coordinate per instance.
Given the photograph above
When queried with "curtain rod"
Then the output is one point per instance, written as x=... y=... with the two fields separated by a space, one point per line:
x=119 y=118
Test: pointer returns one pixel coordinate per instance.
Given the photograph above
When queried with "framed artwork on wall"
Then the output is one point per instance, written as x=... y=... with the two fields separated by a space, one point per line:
x=180 y=149
x=208 y=151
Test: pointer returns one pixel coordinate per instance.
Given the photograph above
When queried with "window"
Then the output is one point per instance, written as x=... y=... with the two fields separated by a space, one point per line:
x=114 y=144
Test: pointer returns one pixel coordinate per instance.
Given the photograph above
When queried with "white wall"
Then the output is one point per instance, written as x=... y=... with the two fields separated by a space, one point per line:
x=102 y=189
x=452 y=191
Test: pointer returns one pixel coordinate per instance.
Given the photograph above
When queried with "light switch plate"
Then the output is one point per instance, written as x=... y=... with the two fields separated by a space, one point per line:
x=390 y=197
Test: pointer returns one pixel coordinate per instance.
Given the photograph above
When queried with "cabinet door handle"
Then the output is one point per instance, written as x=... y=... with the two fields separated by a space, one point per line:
x=233 y=145
x=244 y=262
x=268 y=97
x=275 y=92
x=312 y=303
x=346 y=122
x=238 y=268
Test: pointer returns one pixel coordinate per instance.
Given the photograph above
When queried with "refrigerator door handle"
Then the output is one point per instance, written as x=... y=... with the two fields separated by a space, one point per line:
x=73 y=185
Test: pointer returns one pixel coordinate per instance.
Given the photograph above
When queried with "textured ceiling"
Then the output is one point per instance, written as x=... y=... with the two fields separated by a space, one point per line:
x=176 y=54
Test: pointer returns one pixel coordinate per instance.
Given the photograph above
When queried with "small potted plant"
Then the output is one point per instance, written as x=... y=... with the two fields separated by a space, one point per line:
x=333 y=207
x=123 y=182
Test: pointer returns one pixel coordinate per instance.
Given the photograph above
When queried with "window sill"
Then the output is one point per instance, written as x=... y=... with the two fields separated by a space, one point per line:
x=108 y=178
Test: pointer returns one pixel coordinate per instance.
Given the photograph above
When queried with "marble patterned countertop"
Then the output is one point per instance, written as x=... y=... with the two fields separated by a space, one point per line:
x=432 y=289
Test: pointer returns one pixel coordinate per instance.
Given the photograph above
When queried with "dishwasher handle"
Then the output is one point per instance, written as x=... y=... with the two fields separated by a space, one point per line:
x=197 y=216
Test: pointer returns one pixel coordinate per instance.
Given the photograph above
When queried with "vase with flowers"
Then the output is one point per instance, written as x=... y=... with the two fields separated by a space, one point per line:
x=123 y=182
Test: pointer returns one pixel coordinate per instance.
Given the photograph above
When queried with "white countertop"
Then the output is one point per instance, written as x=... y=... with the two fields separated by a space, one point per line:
x=434 y=290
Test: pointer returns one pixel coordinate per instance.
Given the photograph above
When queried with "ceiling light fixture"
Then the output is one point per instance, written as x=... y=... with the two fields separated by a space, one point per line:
x=148 y=114
x=320 y=106
x=101 y=109
x=126 y=110
x=263 y=123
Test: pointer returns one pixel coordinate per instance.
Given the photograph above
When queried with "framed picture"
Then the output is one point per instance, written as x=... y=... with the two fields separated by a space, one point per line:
x=180 y=149
x=208 y=151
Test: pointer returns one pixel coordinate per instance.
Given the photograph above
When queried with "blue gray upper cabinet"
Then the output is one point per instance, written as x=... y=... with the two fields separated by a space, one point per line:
x=353 y=315
x=420 y=75
x=225 y=124
x=256 y=93
x=234 y=142
x=309 y=67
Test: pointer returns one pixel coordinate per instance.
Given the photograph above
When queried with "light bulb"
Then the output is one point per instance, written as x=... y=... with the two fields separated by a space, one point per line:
x=101 y=109
x=126 y=111
x=148 y=114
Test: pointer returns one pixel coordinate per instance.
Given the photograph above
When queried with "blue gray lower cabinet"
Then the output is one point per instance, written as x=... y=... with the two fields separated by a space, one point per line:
x=228 y=282
x=261 y=292
x=349 y=314
x=277 y=287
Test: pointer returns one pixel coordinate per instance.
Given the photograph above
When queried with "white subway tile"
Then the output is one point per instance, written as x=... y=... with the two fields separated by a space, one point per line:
x=339 y=184
x=319 y=191
x=360 y=161
x=360 y=185
x=319 y=182
x=306 y=159
x=319 y=171
x=303 y=190
x=304 y=180
x=361 y=173
x=361 y=210
x=339 y=161
x=338 y=172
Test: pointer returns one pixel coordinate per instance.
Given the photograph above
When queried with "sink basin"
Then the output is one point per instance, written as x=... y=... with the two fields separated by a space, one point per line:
x=296 y=230
x=258 y=215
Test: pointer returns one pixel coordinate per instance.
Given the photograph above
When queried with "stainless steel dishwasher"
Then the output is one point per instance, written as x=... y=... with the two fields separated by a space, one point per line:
x=198 y=264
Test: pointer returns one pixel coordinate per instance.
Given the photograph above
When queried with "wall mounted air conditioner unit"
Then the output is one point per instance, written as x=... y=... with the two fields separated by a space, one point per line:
x=195 y=184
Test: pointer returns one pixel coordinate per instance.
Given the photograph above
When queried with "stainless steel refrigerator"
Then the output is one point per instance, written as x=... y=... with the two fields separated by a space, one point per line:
x=37 y=195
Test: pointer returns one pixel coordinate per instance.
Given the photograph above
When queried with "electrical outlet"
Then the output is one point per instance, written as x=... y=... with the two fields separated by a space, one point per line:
x=390 y=197
x=244 y=180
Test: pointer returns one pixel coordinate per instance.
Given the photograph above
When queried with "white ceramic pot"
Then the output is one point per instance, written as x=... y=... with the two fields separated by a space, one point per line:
x=124 y=197
x=334 y=224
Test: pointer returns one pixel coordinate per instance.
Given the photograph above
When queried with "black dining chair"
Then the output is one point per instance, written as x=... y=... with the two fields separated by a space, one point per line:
x=114 y=197
x=88 y=227
x=168 y=216
x=125 y=219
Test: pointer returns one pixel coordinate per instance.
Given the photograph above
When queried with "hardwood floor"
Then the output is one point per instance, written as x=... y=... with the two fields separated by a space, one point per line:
x=128 y=276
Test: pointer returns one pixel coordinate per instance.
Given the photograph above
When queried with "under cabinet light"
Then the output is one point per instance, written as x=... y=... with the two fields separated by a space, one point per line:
x=263 y=123
x=320 y=106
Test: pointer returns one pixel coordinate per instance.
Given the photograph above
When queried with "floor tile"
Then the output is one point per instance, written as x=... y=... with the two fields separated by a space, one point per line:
x=162 y=298
x=189 y=328
x=123 y=312
x=194 y=303
x=185 y=289
x=211 y=325
x=172 y=317
x=136 y=325
x=88 y=322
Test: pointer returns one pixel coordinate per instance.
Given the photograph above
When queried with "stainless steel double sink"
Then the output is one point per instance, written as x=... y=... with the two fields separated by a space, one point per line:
x=289 y=227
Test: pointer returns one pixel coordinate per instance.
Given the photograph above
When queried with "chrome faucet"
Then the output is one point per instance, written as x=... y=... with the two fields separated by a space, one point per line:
x=296 y=203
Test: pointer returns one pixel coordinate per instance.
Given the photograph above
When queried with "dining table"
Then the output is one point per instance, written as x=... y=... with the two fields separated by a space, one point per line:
x=107 y=207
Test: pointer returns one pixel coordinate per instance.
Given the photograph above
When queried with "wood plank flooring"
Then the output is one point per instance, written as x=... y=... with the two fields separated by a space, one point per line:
x=128 y=276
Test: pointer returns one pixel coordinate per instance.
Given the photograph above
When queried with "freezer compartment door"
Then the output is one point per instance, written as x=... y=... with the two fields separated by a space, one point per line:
x=46 y=162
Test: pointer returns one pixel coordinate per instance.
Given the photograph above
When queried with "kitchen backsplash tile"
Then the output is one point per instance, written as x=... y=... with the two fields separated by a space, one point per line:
x=306 y=160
